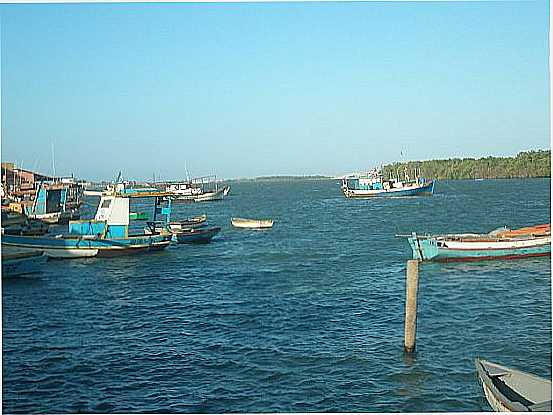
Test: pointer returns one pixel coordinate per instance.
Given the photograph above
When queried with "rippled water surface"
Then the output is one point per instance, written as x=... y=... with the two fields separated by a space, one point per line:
x=307 y=316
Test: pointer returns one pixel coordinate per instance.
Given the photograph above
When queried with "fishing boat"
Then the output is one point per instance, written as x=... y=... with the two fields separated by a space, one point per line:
x=511 y=390
x=501 y=243
x=201 y=189
x=106 y=234
x=19 y=262
x=50 y=204
x=251 y=223
x=373 y=184
x=196 y=236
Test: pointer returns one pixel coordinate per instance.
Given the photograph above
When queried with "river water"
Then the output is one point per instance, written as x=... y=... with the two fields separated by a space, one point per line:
x=307 y=316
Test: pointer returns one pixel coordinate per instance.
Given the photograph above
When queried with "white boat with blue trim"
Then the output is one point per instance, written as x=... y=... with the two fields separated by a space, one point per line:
x=503 y=243
x=373 y=184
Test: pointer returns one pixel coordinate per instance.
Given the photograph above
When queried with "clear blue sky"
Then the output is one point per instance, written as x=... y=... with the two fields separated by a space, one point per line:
x=244 y=90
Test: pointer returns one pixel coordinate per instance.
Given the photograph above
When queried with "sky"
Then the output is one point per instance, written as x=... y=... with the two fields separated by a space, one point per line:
x=255 y=89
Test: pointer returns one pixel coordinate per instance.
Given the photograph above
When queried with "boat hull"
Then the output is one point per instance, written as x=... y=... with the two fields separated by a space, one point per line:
x=196 y=236
x=510 y=390
x=80 y=247
x=21 y=262
x=444 y=250
x=203 y=197
x=251 y=223
x=424 y=190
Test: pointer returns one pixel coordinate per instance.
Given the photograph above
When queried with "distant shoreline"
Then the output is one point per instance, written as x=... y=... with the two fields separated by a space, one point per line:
x=326 y=178
x=288 y=178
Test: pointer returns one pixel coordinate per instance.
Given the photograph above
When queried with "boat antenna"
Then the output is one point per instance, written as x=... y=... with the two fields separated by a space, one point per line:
x=53 y=161
x=186 y=170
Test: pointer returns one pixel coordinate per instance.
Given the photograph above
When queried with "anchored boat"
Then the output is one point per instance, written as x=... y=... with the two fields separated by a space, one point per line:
x=177 y=226
x=510 y=390
x=373 y=184
x=19 y=262
x=502 y=243
x=252 y=223
x=197 y=236
x=106 y=234
x=202 y=189
x=52 y=204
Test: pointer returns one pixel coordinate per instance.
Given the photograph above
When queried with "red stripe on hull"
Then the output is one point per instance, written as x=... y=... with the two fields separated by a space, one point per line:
x=133 y=250
x=491 y=249
x=487 y=258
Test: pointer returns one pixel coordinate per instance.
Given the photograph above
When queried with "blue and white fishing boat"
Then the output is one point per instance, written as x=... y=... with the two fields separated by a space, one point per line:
x=51 y=204
x=373 y=184
x=502 y=243
x=106 y=234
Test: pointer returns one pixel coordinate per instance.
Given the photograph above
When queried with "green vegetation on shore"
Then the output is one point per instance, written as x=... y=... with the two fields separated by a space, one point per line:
x=525 y=164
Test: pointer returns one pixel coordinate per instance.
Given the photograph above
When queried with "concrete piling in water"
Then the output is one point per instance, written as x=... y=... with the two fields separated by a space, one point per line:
x=411 y=285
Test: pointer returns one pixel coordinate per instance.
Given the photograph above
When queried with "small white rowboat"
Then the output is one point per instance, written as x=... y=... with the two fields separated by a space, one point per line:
x=251 y=223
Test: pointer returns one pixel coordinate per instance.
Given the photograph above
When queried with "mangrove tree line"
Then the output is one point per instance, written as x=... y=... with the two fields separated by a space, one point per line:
x=525 y=164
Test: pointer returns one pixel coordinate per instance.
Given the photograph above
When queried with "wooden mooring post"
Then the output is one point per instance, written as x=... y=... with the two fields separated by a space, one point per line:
x=411 y=285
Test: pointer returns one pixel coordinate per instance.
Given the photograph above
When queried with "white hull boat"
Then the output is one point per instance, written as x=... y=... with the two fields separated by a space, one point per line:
x=252 y=223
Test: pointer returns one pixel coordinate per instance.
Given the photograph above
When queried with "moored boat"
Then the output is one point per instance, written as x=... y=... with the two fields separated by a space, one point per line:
x=202 y=189
x=195 y=222
x=252 y=223
x=178 y=225
x=53 y=204
x=502 y=243
x=197 y=236
x=106 y=234
x=19 y=262
x=373 y=184
x=511 y=390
